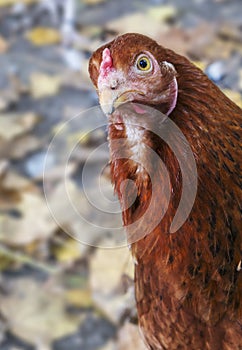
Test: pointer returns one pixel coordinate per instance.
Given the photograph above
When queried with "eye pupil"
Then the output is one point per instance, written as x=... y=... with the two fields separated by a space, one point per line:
x=143 y=63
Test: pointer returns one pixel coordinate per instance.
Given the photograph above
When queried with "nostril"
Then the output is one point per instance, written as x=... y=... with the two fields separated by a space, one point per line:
x=113 y=84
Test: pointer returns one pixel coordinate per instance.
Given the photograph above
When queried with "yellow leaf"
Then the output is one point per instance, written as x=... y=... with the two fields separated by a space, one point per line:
x=92 y=2
x=200 y=64
x=79 y=298
x=162 y=13
x=15 y=124
x=235 y=96
x=68 y=252
x=41 y=36
x=34 y=221
x=132 y=23
x=42 y=85
x=79 y=137
x=4 y=3
x=5 y=262
x=41 y=317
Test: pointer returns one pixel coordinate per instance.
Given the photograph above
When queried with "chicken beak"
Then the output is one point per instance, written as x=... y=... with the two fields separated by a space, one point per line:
x=110 y=99
x=106 y=100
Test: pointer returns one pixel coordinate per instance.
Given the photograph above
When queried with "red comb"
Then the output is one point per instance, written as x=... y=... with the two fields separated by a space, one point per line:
x=107 y=62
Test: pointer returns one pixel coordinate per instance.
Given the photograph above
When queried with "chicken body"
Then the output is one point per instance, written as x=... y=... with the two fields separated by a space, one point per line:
x=188 y=283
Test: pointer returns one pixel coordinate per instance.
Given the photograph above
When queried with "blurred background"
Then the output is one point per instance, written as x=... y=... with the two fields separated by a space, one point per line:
x=56 y=293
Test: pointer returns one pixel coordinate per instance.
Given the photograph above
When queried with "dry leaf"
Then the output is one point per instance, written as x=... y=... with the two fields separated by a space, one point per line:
x=92 y=2
x=4 y=3
x=221 y=49
x=14 y=181
x=130 y=338
x=13 y=124
x=68 y=252
x=42 y=85
x=162 y=13
x=36 y=314
x=33 y=222
x=231 y=32
x=234 y=96
x=8 y=198
x=80 y=298
x=23 y=145
x=106 y=270
x=150 y=23
x=91 y=31
x=74 y=214
x=138 y=23
x=41 y=36
x=200 y=64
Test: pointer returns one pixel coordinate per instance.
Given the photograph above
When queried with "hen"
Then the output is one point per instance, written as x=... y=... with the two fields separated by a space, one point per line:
x=188 y=283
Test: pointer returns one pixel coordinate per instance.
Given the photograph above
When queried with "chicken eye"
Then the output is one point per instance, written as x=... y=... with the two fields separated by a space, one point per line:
x=144 y=64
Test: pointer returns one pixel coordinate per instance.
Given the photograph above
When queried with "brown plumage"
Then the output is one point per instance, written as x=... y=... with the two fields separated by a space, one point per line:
x=188 y=283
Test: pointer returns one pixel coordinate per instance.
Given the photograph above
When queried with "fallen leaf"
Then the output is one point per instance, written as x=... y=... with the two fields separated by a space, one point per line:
x=230 y=31
x=129 y=338
x=235 y=96
x=5 y=263
x=23 y=145
x=132 y=24
x=42 y=85
x=41 y=317
x=200 y=64
x=221 y=49
x=72 y=210
x=14 y=181
x=91 y=31
x=92 y=2
x=68 y=252
x=14 y=124
x=33 y=222
x=8 y=199
x=162 y=13
x=106 y=270
x=80 y=298
x=41 y=36
x=6 y=3
x=81 y=137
